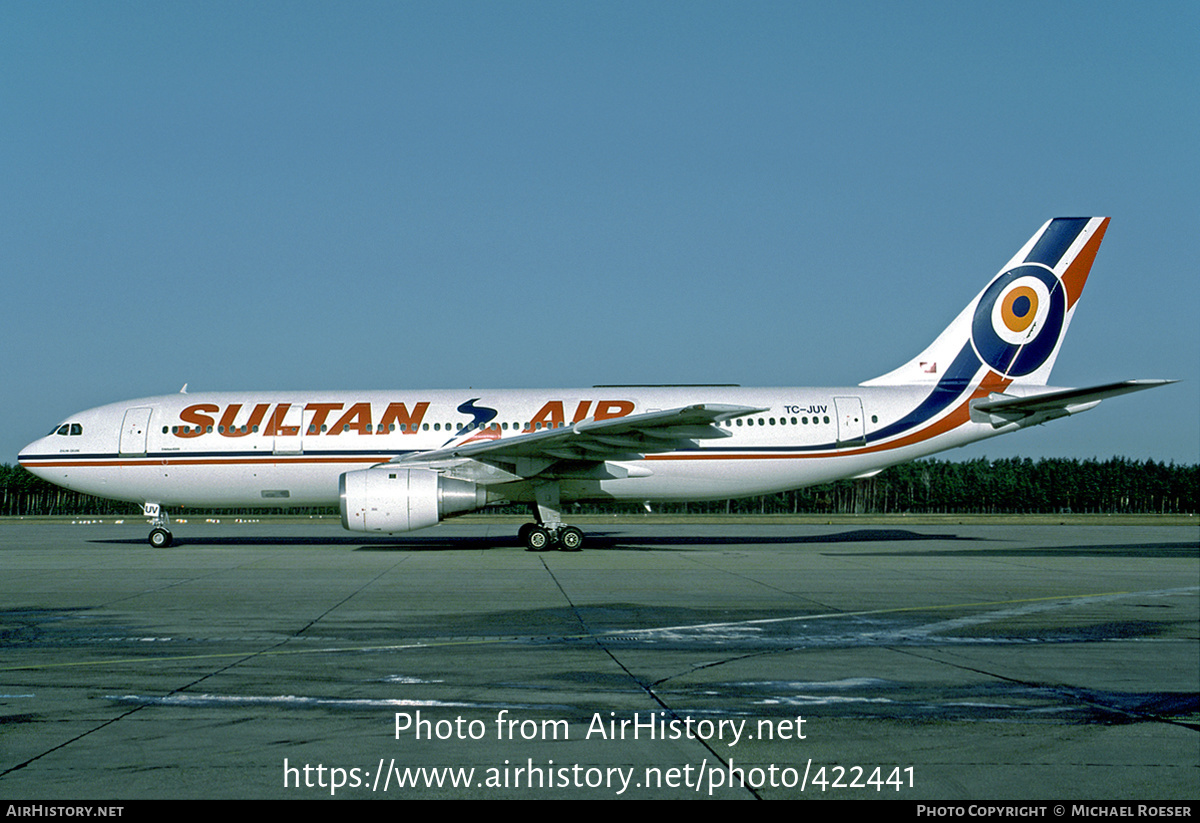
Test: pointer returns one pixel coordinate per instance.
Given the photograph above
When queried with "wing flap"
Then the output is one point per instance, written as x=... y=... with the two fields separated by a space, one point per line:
x=599 y=440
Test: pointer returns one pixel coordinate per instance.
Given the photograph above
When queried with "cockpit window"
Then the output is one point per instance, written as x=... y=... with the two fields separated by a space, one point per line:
x=76 y=429
x=65 y=429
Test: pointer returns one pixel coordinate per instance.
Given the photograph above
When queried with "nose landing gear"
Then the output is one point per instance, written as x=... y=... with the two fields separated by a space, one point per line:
x=160 y=535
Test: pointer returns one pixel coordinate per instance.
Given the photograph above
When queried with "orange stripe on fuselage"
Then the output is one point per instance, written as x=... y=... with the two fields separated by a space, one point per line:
x=200 y=461
x=992 y=382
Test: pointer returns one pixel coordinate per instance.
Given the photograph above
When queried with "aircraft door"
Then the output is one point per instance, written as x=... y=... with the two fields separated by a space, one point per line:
x=134 y=429
x=296 y=418
x=851 y=426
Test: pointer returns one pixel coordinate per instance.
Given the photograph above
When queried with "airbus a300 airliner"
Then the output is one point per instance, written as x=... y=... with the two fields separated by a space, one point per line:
x=395 y=461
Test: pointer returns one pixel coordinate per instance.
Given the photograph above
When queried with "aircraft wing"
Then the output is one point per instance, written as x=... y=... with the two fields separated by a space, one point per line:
x=1003 y=409
x=594 y=440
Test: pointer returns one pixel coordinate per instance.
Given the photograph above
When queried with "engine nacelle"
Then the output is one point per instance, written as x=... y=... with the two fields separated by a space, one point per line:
x=388 y=499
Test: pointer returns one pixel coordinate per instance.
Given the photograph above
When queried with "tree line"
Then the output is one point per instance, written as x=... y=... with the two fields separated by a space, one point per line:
x=981 y=486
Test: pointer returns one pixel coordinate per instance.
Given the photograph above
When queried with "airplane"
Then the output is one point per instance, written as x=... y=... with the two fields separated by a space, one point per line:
x=395 y=461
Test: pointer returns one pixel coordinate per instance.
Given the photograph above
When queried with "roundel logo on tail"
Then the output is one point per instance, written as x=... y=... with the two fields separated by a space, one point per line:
x=1019 y=319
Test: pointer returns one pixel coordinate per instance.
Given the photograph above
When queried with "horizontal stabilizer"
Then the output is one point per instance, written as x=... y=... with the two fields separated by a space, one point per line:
x=1004 y=409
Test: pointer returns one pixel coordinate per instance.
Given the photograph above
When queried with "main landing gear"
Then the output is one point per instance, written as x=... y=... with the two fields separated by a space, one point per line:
x=536 y=537
x=549 y=532
x=160 y=535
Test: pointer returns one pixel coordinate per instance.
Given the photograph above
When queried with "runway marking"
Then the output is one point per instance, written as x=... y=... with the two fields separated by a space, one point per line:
x=624 y=632
x=293 y=701
x=828 y=615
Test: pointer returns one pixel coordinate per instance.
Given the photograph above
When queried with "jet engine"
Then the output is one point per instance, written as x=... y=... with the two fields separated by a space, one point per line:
x=390 y=499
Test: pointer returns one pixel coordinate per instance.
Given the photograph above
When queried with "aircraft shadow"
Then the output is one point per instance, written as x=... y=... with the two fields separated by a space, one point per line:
x=595 y=541
x=952 y=545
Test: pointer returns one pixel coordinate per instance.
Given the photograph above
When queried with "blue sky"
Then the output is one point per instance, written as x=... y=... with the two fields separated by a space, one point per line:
x=425 y=195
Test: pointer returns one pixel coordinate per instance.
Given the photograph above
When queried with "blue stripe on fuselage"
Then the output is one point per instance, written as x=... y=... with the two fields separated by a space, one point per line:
x=950 y=388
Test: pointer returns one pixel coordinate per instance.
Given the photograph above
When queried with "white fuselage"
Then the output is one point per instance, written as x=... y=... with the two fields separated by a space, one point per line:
x=280 y=449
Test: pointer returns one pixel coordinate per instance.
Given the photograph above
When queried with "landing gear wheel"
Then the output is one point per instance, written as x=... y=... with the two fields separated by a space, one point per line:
x=536 y=539
x=570 y=539
x=160 y=538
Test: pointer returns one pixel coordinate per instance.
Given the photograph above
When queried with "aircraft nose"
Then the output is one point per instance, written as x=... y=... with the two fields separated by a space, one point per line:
x=37 y=447
x=27 y=451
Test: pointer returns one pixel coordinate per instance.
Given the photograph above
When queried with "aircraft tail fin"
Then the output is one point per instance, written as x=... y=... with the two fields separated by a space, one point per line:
x=1016 y=325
